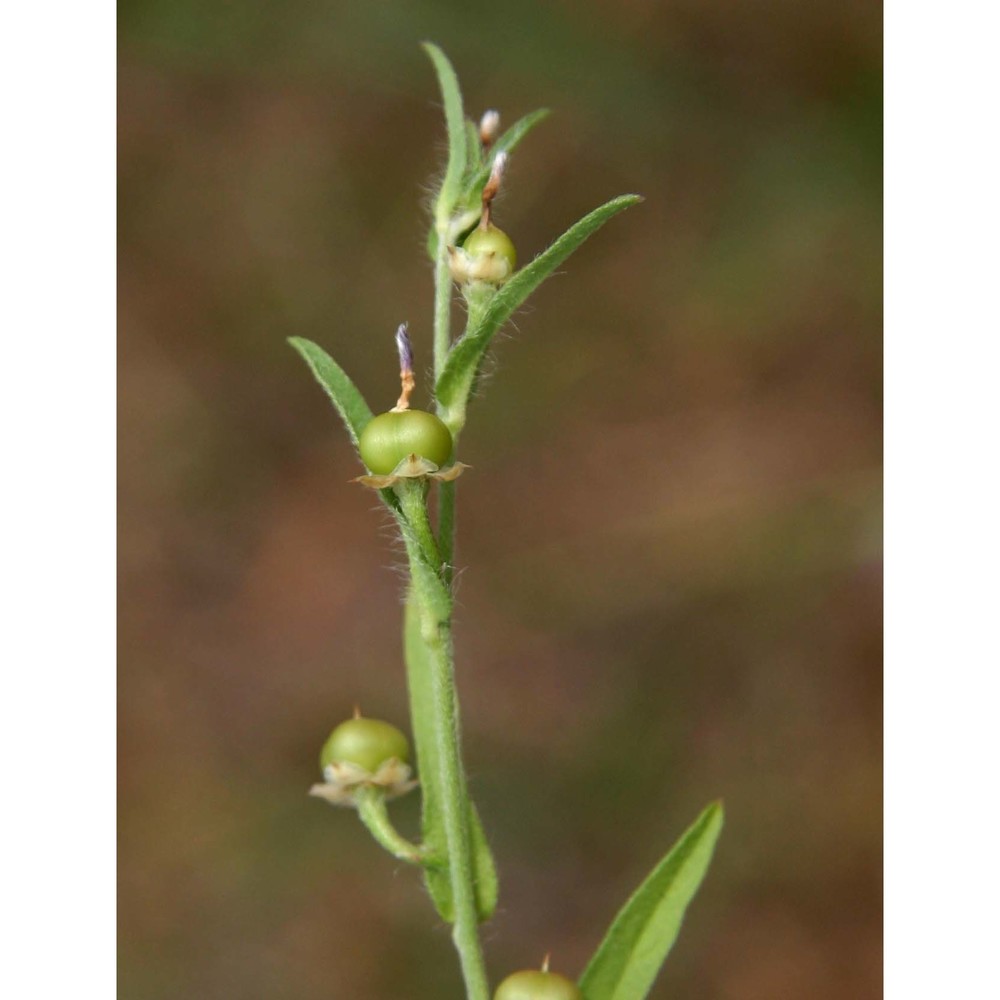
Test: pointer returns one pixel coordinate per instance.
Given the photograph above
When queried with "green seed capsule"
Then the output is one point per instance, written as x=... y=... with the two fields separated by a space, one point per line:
x=391 y=437
x=535 y=985
x=369 y=743
x=491 y=255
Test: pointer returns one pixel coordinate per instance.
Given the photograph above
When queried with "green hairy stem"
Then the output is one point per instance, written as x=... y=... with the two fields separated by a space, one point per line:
x=431 y=600
x=375 y=816
x=453 y=853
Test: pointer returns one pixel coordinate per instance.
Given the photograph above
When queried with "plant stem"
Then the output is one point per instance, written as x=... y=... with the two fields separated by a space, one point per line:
x=478 y=296
x=375 y=816
x=431 y=572
x=442 y=344
x=413 y=504
x=442 y=305
x=434 y=605
x=455 y=808
x=446 y=529
x=477 y=302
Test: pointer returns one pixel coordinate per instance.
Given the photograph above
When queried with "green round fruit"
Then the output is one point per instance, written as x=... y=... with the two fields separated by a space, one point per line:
x=391 y=437
x=482 y=242
x=369 y=743
x=533 y=984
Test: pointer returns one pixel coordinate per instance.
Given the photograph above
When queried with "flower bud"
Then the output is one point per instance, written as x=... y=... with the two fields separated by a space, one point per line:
x=489 y=128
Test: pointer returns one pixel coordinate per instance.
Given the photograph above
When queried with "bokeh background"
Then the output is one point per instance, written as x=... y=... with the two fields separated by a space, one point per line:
x=672 y=529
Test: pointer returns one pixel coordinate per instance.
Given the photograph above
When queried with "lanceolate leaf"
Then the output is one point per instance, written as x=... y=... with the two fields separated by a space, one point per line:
x=460 y=369
x=350 y=404
x=631 y=954
x=473 y=148
x=420 y=683
x=484 y=869
x=455 y=121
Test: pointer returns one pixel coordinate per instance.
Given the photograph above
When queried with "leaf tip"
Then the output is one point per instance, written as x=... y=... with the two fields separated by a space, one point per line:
x=713 y=817
x=434 y=51
x=300 y=345
x=304 y=347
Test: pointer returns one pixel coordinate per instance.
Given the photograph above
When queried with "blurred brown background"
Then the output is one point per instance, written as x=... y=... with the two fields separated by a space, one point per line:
x=672 y=529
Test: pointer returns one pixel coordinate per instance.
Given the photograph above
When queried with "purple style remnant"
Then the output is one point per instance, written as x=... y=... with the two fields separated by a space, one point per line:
x=404 y=348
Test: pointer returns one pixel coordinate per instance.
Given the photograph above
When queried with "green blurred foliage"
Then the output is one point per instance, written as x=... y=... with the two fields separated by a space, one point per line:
x=672 y=527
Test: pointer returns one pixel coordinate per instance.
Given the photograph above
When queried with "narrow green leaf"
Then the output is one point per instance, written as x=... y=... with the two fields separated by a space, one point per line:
x=473 y=148
x=505 y=144
x=456 y=379
x=455 y=121
x=484 y=869
x=350 y=404
x=438 y=880
x=637 y=943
